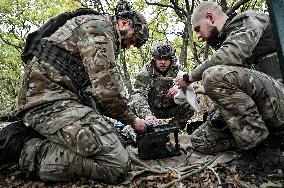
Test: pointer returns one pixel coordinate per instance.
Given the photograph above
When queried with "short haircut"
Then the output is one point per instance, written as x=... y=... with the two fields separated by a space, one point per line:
x=203 y=8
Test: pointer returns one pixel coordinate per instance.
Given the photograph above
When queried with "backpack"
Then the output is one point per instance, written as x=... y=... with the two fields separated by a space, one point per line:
x=49 y=28
x=12 y=140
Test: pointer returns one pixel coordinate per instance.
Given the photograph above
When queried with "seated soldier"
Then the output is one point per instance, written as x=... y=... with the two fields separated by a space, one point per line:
x=155 y=88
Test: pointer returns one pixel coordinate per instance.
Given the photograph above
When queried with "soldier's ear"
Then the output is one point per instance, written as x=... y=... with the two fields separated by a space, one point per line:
x=210 y=16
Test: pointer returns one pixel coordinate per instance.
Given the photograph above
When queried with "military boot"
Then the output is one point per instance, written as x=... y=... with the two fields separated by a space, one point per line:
x=12 y=139
x=266 y=157
x=191 y=127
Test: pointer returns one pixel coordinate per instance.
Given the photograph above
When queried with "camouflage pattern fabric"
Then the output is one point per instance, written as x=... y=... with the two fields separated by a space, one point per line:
x=249 y=37
x=150 y=98
x=163 y=49
x=208 y=139
x=252 y=103
x=93 y=38
x=80 y=142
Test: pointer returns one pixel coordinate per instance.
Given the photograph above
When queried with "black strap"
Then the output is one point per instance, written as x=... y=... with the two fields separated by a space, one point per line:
x=62 y=60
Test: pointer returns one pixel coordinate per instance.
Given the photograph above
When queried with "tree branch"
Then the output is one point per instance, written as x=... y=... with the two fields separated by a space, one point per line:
x=179 y=11
x=10 y=44
x=108 y=4
x=195 y=54
x=253 y=6
x=187 y=6
x=159 y=4
x=237 y=5
x=192 y=7
x=127 y=79
x=224 y=5
x=180 y=15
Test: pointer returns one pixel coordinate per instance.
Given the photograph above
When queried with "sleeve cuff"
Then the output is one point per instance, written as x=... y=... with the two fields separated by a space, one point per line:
x=129 y=119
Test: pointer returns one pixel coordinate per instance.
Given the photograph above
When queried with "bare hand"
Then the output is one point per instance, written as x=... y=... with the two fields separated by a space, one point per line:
x=172 y=91
x=181 y=84
x=198 y=89
x=151 y=120
x=139 y=125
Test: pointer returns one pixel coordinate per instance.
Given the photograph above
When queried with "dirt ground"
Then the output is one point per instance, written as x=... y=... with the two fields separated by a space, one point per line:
x=193 y=169
x=11 y=177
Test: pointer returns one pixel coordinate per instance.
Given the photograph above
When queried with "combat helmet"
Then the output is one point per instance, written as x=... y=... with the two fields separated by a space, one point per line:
x=141 y=31
x=163 y=49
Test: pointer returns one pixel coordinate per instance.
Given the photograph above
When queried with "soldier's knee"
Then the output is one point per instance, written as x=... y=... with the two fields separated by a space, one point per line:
x=200 y=141
x=117 y=173
x=115 y=165
x=120 y=165
x=197 y=138
x=202 y=145
x=213 y=75
x=28 y=161
x=197 y=141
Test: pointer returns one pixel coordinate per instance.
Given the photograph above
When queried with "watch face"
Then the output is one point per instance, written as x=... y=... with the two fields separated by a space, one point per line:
x=185 y=78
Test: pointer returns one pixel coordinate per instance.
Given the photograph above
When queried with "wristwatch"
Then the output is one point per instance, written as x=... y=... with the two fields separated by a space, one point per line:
x=185 y=78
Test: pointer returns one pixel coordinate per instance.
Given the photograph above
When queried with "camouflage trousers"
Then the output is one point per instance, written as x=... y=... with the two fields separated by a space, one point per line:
x=80 y=143
x=252 y=104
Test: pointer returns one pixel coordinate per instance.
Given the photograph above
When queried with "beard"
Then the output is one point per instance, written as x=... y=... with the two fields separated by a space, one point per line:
x=123 y=45
x=213 y=38
x=123 y=33
x=163 y=71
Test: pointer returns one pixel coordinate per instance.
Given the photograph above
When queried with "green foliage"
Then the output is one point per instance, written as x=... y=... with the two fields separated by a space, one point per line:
x=18 y=18
x=10 y=77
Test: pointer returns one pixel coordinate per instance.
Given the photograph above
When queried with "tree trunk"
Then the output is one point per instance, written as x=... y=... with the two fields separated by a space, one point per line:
x=183 y=53
x=127 y=80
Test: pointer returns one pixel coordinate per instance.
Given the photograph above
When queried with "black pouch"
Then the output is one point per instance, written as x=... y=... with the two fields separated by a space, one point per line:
x=12 y=140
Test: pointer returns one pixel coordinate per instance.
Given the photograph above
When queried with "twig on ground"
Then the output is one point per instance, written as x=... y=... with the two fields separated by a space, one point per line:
x=187 y=169
x=190 y=174
x=217 y=176
x=178 y=173
x=145 y=166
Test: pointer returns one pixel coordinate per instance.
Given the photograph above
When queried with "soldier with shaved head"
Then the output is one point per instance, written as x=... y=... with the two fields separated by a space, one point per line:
x=251 y=101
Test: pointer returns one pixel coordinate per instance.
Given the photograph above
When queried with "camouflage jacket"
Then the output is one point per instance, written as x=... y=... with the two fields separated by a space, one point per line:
x=248 y=37
x=94 y=39
x=151 y=88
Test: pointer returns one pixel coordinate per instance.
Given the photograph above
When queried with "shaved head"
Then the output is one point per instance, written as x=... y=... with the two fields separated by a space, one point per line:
x=203 y=8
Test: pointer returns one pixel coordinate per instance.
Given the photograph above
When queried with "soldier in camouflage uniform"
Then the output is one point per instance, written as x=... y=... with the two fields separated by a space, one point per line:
x=154 y=88
x=251 y=102
x=80 y=140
